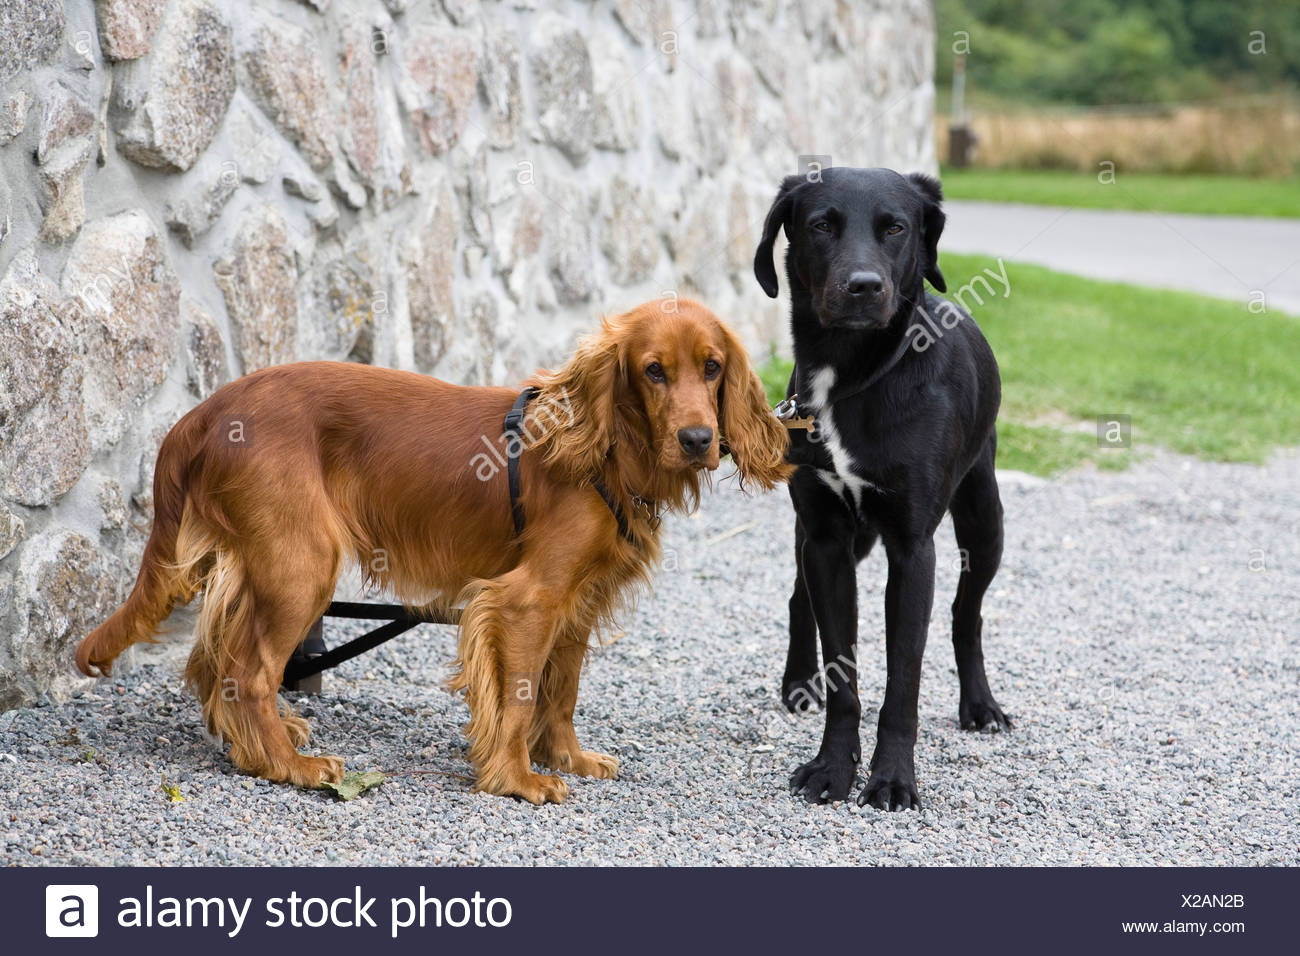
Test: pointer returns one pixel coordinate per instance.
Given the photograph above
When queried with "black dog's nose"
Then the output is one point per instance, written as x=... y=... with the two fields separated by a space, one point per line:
x=695 y=440
x=864 y=283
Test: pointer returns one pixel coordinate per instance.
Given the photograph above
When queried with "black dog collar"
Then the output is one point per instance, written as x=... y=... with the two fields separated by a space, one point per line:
x=881 y=371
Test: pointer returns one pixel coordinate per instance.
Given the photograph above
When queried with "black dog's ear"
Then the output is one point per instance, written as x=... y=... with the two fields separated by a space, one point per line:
x=932 y=193
x=777 y=216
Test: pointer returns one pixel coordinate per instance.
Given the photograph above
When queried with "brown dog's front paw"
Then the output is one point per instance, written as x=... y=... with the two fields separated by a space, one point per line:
x=588 y=763
x=315 y=771
x=537 y=788
x=583 y=763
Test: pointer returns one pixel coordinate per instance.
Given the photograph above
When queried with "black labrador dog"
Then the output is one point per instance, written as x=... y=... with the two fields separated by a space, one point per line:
x=905 y=391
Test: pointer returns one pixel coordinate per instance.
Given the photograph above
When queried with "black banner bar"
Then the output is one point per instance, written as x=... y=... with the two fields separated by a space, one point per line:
x=324 y=911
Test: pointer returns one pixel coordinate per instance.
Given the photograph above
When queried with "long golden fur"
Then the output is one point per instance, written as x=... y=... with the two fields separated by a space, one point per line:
x=266 y=490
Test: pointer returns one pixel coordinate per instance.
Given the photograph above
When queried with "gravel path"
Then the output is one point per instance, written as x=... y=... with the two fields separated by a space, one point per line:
x=1152 y=674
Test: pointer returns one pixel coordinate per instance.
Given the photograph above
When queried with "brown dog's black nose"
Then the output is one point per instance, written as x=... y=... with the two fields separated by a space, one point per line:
x=864 y=283
x=695 y=440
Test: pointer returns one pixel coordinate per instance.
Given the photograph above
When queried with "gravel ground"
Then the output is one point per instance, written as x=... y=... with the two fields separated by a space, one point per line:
x=1142 y=633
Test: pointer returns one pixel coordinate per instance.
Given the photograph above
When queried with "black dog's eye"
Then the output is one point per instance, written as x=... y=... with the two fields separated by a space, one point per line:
x=712 y=368
x=822 y=226
x=655 y=372
x=895 y=229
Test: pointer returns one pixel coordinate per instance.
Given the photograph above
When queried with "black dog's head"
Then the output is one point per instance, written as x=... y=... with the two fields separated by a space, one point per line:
x=861 y=240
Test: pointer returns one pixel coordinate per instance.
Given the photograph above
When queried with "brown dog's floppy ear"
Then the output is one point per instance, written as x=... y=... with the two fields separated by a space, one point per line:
x=756 y=439
x=932 y=193
x=777 y=216
x=573 y=419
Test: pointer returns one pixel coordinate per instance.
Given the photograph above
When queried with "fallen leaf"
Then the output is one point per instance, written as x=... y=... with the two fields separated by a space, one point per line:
x=172 y=790
x=354 y=784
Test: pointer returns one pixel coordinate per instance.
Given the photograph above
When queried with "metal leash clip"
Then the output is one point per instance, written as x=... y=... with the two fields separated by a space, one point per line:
x=787 y=412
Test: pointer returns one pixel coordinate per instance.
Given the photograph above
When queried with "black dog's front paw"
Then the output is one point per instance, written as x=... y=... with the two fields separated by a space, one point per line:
x=802 y=695
x=890 y=790
x=982 y=715
x=824 y=779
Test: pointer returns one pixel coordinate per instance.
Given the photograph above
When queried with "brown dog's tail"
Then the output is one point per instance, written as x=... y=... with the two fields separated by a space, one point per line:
x=171 y=567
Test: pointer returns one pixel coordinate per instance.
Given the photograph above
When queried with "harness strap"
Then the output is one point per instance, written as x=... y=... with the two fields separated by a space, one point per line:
x=513 y=429
x=623 y=527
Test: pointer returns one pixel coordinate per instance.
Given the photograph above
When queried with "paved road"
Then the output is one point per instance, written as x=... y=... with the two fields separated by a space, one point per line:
x=1225 y=256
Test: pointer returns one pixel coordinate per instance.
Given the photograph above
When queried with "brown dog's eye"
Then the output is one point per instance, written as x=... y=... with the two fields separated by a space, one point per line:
x=712 y=368
x=655 y=372
x=895 y=229
x=822 y=226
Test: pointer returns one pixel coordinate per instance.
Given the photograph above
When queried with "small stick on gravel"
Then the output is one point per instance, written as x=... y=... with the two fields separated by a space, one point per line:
x=436 y=773
x=731 y=533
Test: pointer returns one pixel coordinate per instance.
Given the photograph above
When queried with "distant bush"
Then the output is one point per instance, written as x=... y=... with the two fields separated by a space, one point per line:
x=1107 y=52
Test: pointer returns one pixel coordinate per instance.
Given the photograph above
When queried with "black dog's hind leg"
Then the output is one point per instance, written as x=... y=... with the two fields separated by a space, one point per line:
x=909 y=597
x=801 y=686
x=977 y=519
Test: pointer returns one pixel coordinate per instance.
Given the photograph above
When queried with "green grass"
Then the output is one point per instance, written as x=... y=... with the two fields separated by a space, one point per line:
x=1198 y=375
x=1048 y=450
x=1223 y=195
x=775 y=374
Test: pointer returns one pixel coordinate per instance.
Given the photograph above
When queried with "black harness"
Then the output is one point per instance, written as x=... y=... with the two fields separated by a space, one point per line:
x=513 y=429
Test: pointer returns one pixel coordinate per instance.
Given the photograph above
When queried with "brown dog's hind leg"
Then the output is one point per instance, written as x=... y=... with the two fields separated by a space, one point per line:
x=553 y=741
x=261 y=743
x=250 y=625
x=243 y=707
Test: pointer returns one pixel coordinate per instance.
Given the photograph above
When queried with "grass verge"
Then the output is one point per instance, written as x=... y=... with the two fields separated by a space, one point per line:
x=1198 y=375
x=1147 y=192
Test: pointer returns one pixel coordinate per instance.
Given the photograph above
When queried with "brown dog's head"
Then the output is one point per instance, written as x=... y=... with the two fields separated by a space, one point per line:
x=662 y=388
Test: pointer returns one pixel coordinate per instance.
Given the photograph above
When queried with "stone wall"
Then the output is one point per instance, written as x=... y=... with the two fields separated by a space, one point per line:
x=194 y=189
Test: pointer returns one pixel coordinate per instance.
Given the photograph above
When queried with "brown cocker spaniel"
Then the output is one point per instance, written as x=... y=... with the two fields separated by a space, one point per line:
x=266 y=490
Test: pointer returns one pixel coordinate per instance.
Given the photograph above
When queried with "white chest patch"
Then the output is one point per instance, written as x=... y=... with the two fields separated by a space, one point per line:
x=844 y=477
